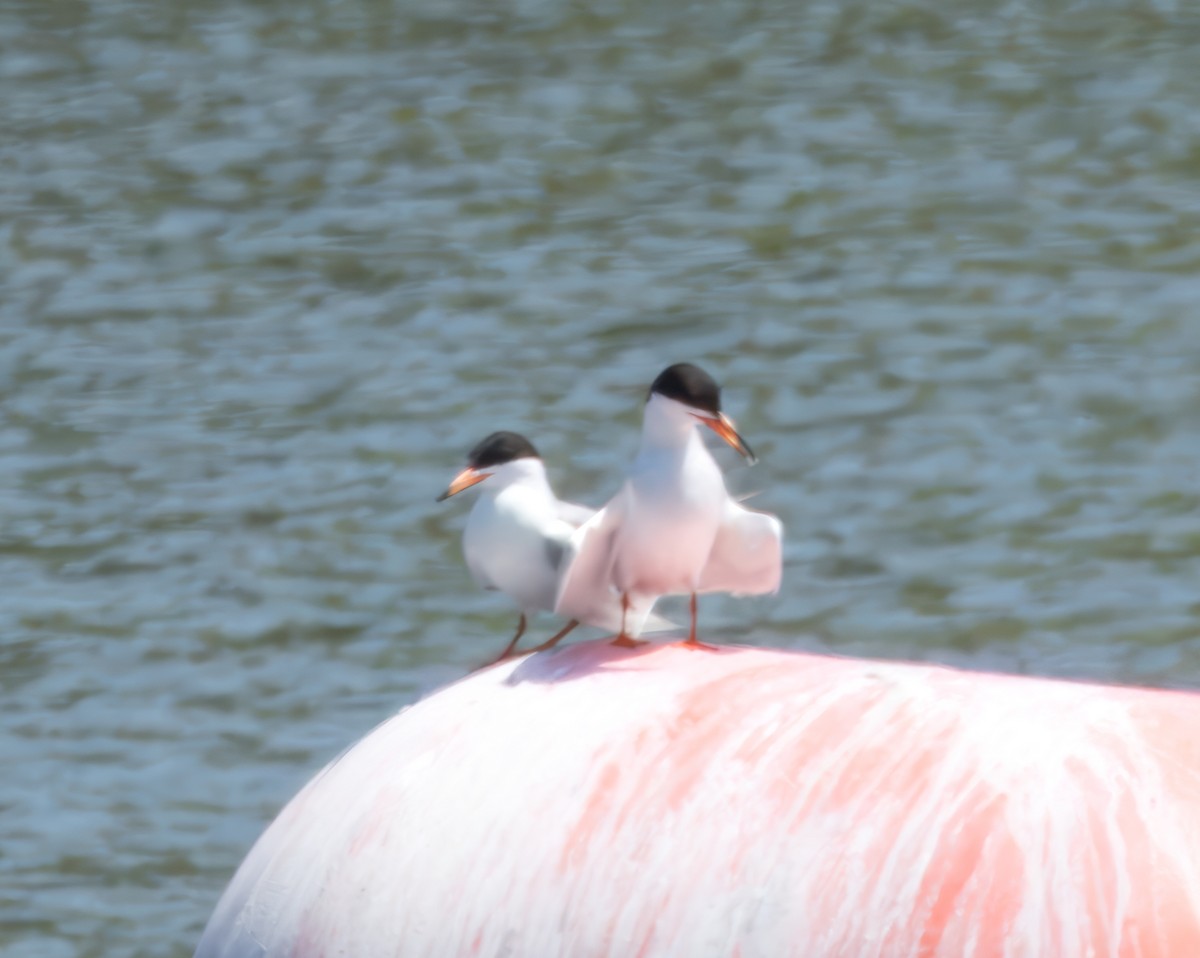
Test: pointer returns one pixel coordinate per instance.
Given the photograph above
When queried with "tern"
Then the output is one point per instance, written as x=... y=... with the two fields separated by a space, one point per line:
x=518 y=533
x=673 y=528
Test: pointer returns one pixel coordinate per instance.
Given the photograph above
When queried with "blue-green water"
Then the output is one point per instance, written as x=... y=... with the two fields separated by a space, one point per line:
x=269 y=269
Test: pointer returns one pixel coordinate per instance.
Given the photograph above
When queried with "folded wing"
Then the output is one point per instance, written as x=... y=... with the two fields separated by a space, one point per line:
x=747 y=555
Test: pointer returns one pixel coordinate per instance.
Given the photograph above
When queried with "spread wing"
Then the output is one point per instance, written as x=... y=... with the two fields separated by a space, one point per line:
x=747 y=556
x=585 y=589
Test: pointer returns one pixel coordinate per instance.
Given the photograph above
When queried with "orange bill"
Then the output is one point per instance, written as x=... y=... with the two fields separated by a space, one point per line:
x=723 y=427
x=464 y=480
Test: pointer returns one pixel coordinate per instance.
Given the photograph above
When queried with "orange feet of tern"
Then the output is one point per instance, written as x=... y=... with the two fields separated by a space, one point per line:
x=624 y=640
x=692 y=642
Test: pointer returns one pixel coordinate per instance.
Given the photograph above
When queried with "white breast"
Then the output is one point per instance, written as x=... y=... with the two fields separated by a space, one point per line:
x=673 y=510
x=512 y=542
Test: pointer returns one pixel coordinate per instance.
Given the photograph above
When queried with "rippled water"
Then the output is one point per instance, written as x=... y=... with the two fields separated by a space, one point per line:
x=270 y=269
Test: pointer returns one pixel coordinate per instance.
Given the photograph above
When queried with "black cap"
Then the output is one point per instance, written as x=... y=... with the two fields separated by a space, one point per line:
x=499 y=448
x=689 y=385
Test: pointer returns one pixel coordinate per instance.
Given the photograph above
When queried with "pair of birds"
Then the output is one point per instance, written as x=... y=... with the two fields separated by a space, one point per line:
x=671 y=529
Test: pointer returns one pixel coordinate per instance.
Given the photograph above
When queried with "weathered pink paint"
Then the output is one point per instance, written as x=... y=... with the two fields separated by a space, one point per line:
x=596 y=801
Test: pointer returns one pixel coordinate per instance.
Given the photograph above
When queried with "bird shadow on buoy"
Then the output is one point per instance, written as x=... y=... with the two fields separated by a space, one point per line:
x=588 y=658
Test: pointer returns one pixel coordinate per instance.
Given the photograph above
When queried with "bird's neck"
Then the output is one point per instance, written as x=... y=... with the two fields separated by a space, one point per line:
x=667 y=425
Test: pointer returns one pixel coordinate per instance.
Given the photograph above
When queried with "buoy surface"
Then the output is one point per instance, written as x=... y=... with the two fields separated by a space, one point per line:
x=595 y=801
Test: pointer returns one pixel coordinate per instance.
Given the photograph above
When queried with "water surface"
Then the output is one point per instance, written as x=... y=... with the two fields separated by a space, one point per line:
x=270 y=269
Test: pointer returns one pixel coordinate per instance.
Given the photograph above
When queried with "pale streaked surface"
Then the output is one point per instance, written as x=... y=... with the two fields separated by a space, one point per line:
x=670 y=802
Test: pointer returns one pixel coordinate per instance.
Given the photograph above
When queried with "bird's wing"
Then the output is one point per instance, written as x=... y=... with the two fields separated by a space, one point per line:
x=585 y=589
x=575 y=514
x=747 y=555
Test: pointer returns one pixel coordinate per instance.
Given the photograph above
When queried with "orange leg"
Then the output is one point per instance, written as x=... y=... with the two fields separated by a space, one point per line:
x=508 y=649
x=553 y=640
x=692 y=642
x=624 y=640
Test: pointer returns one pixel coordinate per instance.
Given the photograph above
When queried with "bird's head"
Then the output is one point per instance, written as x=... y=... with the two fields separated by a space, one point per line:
x=698 y=393
x=489 y=456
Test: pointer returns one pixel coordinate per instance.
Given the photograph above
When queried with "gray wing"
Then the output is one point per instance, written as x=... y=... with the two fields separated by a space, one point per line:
x=570 y=517
x=747 y=555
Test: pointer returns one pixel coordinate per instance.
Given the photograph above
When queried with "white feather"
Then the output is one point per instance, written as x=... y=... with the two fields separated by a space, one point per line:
x=747 y=556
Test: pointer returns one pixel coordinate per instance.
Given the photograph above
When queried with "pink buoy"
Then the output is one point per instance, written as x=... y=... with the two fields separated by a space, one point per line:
x=667 y=801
